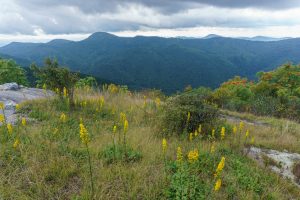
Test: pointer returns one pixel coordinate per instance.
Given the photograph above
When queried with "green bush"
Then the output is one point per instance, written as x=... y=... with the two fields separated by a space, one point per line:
x=11 y=72
x=174 y=113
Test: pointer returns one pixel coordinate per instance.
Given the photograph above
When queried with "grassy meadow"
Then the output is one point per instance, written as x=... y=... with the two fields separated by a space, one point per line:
x=110 y=147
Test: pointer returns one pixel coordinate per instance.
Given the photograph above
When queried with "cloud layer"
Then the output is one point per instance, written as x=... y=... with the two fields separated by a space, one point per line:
x=52 y=17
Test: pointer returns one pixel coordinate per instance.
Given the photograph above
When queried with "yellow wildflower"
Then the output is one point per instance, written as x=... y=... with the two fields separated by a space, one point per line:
x=65 y=92
x=196 y=133
x=247 y=133
x=213 y=133
x=114 y=129
x=23 y=121
x=1 y=118
x=2 y=106
x=84 y=135
x=234 y=130
x=199 y=128
x=63 y=117
x=218 y=185
x=122 y=117
x=223 y=133
x=125 y=126
x=16 y=143
x=241 y=125
x=17 y=107
x=188 y=117
x=164 y=145
x=157 y=102
x=220 y=167
x=9 y=128
x=191 y=137
x=179 y=155
x=193 y=155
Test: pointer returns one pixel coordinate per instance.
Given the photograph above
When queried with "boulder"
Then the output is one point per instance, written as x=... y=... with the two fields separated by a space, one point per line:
x=10 y=86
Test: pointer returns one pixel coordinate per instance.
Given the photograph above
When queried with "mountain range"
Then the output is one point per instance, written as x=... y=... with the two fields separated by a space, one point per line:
x=168 y=64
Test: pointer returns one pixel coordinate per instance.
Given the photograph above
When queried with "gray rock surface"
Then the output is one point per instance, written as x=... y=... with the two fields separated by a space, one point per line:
x=285 y=161
x=12 y=94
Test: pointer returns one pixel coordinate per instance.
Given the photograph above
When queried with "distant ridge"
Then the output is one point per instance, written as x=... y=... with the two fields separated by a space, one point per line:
x=169 y=64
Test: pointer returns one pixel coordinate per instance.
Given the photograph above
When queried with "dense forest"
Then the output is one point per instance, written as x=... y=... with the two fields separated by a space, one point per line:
x=169 y=64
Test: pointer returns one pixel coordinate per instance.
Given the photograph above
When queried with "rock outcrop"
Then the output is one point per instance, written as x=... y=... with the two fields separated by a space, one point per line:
x=12 y=94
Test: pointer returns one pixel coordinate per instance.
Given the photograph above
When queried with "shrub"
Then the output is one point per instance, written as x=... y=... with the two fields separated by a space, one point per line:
x=11 y=72
x=56 y=78
x=175 y=111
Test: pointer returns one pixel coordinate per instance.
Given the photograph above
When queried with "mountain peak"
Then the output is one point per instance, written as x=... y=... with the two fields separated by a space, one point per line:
x=211 y=36
x=98 y=35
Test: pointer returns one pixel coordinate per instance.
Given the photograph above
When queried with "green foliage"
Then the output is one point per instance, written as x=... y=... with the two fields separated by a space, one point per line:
x=56 y=78
x=174 y=113
x=86 y=82
x=276 y=93
x=11 y=72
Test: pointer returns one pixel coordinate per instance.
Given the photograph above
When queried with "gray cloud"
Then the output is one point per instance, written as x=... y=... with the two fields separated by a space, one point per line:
x=34 y=17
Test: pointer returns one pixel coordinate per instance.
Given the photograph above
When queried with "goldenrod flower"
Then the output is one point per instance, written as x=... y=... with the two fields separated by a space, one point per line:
x=241 y=127
x=193 y=155
x=223 y=133
x=196 y=133
x=179 y=155
x=247 y=133
x=114 y=129
x=63 y=117
x=234 y=130
x=212 y=148
x=9 y=128
x=84 y=135
x=191 y=137
x=122 y=117
x=188 y=117
x=220 y=167
x=16 y=143
x=23 y=121
x=1 y=118
x=125 y=126
x=65 y=92
x=157 y=102
x=2 y=106
x=164 y=145
x=199 y=128
x=218 y=185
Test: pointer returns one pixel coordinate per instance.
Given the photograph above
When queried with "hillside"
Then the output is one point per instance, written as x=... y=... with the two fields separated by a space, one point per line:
x=169 y=64
x=63 y=154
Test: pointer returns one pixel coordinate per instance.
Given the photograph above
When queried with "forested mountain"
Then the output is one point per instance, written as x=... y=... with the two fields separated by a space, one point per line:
x=169 y=64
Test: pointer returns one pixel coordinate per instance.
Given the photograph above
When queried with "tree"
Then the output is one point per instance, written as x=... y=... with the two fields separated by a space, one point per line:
x=11 y=72
x=56 y=78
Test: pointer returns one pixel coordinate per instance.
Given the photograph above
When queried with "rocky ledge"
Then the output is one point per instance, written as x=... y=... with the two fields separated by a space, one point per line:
x=12 y=94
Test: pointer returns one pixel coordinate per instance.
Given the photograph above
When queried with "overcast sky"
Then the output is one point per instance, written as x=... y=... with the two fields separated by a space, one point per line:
x=43 y=20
